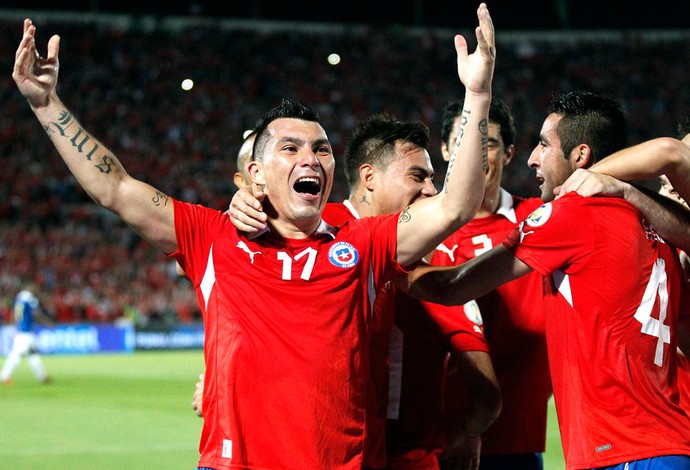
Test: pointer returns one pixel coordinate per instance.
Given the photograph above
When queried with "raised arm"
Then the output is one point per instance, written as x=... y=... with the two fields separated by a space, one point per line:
x=143 y=207
x=426 y=223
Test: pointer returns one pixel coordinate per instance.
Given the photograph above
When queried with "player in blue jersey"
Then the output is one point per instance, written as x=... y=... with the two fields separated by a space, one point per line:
x=26 y=310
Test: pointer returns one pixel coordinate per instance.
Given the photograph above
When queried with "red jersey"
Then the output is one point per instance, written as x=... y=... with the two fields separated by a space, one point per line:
x=286 y=343
x=405 y=407
x=613 y=291
x=684 y=382
x=513 y=318
x=418 y=354
x=374 y=451
x=683 y=361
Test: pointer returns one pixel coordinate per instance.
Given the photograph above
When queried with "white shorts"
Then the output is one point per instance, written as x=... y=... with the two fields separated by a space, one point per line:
x=23 y=342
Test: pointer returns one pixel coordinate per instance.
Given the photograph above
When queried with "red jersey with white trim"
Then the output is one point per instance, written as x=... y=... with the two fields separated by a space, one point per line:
x=337 y=213
x=408 y=367
x=420 y=343
x=374 y=452
x=286 y=343
x=513 y=319
x=613 y=291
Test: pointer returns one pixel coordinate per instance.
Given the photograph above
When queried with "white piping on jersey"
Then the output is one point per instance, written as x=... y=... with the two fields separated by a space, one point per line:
x=351 y=208
x=395 y=346
x=562 y=282
x=505 y=206
x=657 y=285
x=209 y=279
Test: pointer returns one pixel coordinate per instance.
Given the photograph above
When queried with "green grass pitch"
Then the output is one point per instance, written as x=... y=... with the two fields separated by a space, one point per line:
x=115 y=412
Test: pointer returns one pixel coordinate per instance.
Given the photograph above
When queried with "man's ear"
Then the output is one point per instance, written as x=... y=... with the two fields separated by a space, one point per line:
x=367 y=174
x=256 y=172
x=240 y=181
x=582 y=155
x=509 y=154
x=445 y=153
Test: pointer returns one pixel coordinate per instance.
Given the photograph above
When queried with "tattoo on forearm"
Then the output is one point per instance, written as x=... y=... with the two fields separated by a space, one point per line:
x=160 y=198
x=81 y=140
x=484 y=131
x=404 y=216
x=464 y=118
x=107 y=164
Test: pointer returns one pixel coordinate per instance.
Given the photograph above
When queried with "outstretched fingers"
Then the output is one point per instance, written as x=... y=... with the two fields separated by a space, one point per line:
x=53 y=48
x=475 y=69
x=461 y=48
x=22 y=64
x=27 y=40
x=486 y=36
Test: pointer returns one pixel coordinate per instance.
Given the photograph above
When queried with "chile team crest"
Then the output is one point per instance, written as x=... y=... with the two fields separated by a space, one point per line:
x=343 y=255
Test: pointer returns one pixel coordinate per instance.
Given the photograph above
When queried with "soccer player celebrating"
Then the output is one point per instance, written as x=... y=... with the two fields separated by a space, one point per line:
x=614 y=292
x=286 y=311
x=512 y=316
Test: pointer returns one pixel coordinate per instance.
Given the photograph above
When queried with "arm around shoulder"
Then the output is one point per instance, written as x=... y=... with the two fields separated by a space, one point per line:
x=651 y=159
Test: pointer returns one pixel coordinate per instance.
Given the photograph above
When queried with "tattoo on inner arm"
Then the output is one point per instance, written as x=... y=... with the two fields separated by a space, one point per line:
x=404 y=216
x=160 y=198
x=483 y=128
x=484 y=131
x=464 y=118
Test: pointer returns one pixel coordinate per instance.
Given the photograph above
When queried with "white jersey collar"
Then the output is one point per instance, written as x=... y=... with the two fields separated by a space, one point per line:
x=322 y=229
x=352 y=209
x=506 y=207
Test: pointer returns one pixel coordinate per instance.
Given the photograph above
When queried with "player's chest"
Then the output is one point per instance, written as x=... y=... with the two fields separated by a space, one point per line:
x=291 y=262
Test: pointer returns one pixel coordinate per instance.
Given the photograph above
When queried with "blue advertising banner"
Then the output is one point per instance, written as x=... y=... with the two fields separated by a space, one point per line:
x=76 y=339
x=105 y=338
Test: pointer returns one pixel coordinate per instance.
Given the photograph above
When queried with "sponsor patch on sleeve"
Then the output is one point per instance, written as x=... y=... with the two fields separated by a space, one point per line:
x=540 y=215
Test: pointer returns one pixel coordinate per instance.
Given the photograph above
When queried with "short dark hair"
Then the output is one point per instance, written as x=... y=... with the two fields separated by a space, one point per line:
x=589 y=118
x=373 y=141
x=288 y=108
x=499 y=113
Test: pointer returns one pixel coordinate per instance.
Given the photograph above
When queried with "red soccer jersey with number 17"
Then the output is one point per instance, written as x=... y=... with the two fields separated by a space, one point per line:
x=613 y=291
x=286 y=341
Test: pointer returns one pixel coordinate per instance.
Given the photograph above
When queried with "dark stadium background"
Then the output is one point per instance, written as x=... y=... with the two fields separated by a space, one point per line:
x=507 y=14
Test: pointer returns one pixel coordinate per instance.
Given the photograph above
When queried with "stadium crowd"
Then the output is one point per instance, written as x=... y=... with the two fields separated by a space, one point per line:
x=128 y=74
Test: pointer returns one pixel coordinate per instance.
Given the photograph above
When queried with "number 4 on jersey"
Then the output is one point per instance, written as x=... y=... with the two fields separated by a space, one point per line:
x=657 y=285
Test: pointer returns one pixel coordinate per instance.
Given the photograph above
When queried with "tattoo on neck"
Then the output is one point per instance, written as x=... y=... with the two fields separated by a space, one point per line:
x=364 y=200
